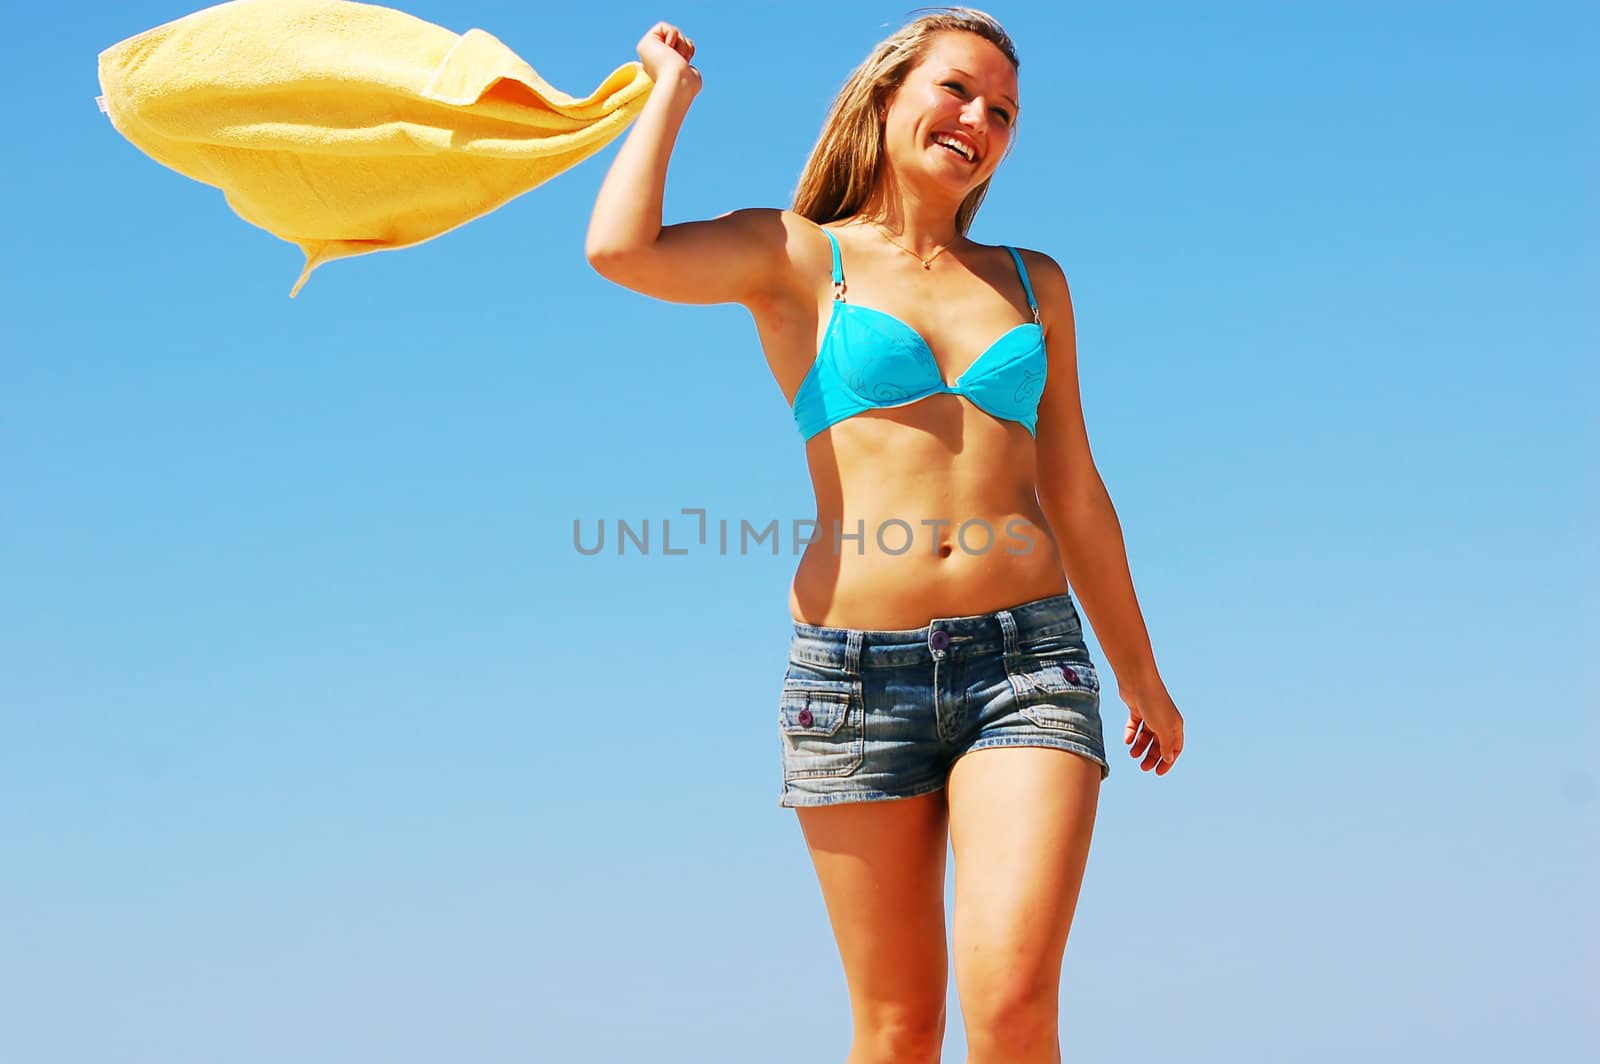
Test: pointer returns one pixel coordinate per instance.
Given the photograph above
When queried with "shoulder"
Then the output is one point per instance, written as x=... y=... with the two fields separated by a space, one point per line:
x=781 y=247
x=1050 y=289
x=800 y=230
x=776 y=227
x=807 y=252
x=1044 y=274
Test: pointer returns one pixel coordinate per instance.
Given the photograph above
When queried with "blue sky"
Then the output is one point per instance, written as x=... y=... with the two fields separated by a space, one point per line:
x=321 y=742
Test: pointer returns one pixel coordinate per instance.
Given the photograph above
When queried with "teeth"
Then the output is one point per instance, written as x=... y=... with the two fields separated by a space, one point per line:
x=965 y=151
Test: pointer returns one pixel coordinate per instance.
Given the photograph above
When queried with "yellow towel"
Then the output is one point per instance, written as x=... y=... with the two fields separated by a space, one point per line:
x=346 y=127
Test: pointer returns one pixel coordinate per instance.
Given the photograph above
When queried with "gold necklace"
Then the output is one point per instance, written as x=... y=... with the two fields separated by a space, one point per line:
x=927 y=263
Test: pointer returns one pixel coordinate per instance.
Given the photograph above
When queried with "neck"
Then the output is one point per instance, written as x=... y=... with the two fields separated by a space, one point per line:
x=920 y=223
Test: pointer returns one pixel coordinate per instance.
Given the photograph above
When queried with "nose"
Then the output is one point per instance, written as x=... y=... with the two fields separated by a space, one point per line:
x=976 y=114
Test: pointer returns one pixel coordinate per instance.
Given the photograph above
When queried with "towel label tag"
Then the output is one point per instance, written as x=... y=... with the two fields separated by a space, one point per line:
x=101 y=102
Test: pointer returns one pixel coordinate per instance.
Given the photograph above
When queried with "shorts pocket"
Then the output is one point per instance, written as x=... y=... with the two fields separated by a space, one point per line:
x=1064 y=644
x=823 y=726
x=1053 y=667
x=1060 y=693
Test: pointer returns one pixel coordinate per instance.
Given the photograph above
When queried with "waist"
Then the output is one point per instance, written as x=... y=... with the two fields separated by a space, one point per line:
x=879 y=589
x=958 y=636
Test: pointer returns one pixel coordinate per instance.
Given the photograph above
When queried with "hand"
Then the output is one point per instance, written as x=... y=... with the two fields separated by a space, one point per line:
x=1154 y=725
x=665 y=53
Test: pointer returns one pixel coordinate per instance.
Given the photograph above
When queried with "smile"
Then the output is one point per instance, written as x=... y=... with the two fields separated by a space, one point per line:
x=956 y=146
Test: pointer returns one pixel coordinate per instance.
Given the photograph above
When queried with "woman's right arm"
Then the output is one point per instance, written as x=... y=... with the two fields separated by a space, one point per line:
x=735 y=258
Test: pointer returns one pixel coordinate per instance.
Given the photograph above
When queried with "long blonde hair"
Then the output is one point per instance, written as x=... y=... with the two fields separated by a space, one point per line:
x=848 y=160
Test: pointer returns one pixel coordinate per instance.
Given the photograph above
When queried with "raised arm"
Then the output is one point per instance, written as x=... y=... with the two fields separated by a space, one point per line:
x=734 y=258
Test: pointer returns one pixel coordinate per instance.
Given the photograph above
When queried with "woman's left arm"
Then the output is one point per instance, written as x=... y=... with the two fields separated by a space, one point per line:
x=1084 y=522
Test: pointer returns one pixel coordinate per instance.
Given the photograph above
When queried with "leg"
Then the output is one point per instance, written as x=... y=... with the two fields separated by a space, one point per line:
x=881 y=866
x=1020 y=823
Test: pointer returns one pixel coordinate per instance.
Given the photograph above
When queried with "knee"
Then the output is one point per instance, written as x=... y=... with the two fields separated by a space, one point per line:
x=899 y=1035
x=1020 y=1027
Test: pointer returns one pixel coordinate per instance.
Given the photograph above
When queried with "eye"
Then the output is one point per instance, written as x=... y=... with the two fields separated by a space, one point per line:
x=961 y=91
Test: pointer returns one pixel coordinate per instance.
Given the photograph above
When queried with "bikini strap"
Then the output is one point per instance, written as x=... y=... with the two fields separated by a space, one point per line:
x=1026 y=287
x=838 y=266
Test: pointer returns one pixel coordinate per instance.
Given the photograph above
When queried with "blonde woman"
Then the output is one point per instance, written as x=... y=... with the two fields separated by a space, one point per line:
x=938 y=680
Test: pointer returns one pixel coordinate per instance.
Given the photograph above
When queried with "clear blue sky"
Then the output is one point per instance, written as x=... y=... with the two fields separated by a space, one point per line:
x=319 y=742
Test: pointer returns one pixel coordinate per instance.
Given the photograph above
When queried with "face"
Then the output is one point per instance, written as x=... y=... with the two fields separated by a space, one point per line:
x=964 y=88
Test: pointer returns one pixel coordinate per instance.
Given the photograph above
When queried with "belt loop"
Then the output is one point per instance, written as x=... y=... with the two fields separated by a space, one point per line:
x=1008 y=630
x=852 y=653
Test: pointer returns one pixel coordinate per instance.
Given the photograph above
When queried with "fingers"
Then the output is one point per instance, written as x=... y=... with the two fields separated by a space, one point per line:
x=656 y=62
x=1140 y=736
x=1146 y=744
x=674 y=37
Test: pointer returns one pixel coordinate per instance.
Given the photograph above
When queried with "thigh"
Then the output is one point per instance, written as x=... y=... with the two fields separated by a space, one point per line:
x=881 y=866
x=1021 y=818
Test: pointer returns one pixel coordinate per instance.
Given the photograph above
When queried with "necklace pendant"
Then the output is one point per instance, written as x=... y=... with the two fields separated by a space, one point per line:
x=927 y=264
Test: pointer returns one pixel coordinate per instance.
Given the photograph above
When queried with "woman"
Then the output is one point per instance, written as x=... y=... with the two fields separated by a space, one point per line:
x=938 y=658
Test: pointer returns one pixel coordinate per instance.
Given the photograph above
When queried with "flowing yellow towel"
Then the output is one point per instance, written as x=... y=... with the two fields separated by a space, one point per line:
x=346 y=127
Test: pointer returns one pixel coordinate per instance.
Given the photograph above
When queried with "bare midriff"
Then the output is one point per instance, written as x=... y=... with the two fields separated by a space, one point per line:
x=936 y=515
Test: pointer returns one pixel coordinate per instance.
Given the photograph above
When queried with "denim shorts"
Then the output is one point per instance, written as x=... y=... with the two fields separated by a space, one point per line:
x=868 y=715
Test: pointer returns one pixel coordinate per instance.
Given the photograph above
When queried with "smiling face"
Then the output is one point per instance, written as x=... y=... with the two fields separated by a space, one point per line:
x=964 y=91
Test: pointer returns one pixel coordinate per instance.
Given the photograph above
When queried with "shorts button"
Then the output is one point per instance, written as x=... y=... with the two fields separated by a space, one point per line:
x=938 y=639
x=805 y=718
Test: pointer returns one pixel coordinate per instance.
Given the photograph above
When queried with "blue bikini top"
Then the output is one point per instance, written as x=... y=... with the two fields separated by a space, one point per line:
x=870 y=359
